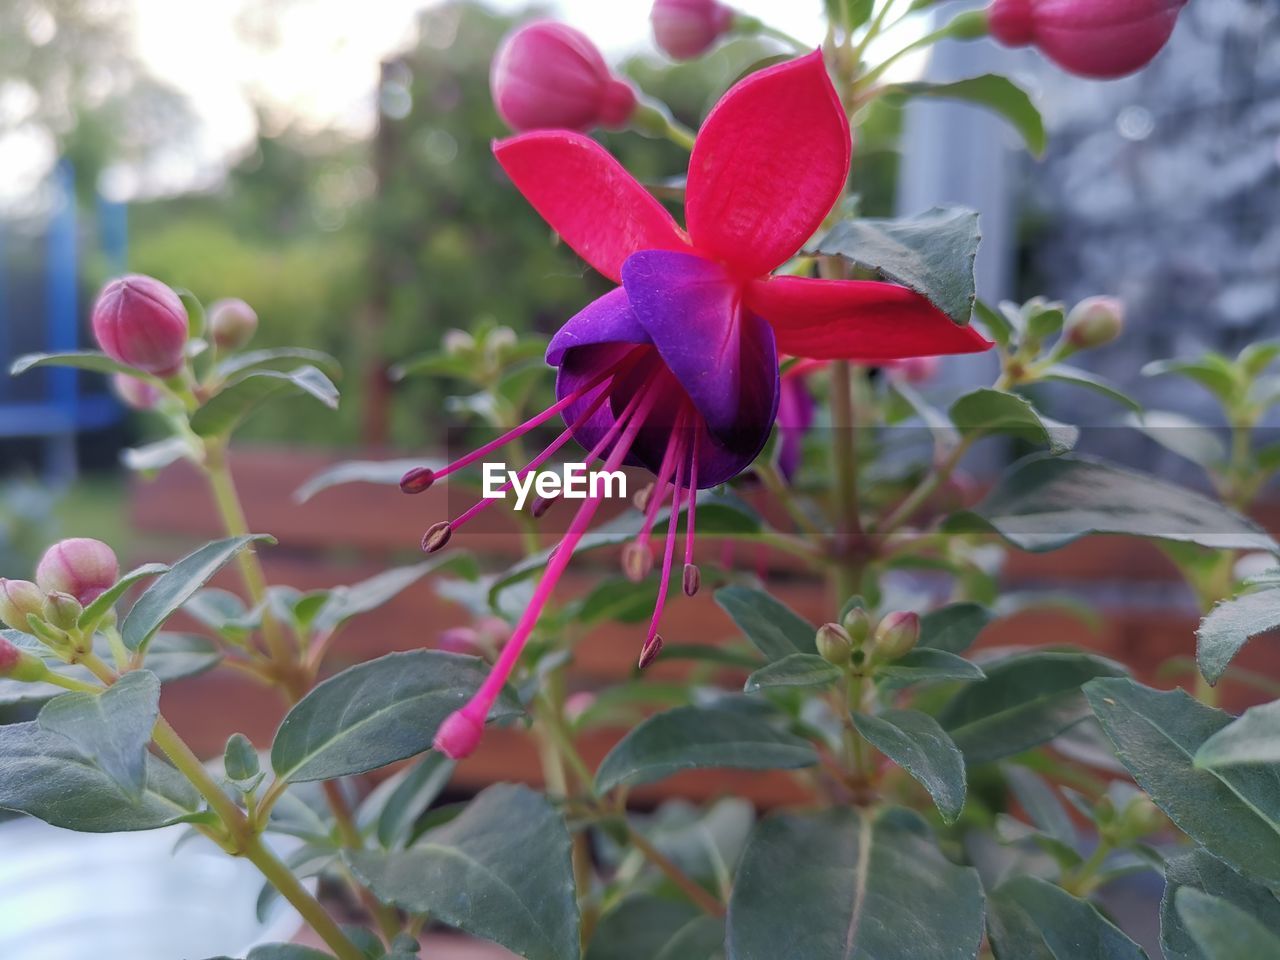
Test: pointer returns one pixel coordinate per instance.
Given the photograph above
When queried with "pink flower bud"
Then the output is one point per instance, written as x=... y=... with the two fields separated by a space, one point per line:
x=10 y=657
x=1094 y=322
x=459 y=735
x=684 y=29
x=1103 y=39
x=16 y=664
x=576 y=704
x=141 y=322
x=18 y=599
x=915 y=369
x=80 y=567
x=134 y=392
x=897 y=635
x=548 y=75
x=459 y=640
x=232 y=323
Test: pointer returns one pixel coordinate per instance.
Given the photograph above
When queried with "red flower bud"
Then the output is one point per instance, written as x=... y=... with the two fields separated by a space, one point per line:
x=134 y=392
x=548 y=75
x=232 y=323
x=1103 y=39
x=18 y=598
x=684 y=29
x=80 y=567
x=139 y=321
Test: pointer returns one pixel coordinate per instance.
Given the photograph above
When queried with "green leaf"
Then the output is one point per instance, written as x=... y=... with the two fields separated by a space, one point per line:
x=227 y=409
x=381 y=472
x=773 y=627
x=795 y=670
x=1062 y=373
x=1230 y=625
x=47 y=776
x=1213 y=372
x=240 y=759
x=915 y=742
x=343 y=603
x=112 y=728
x=644 y=927
x=95 y=611
x=924 y=665
x=81 y=360
x=1031 y=919
x=1222 y=930
x=1026 y=700
x=988 y=411
x=992 y=91
x=1183 y=436
x=932 y=254
x=174 y=588
x=501 y=870
x=846 y=883
x=1200 y=870
x=1253 y=738
x=155 y=456
x=1042 y=805
x=376 y=713
x=276 y=358
x=395 y=806
x=1000 y=327
x=1047 y=502
x=954 y=628
x=1232 y=812
x=690 y=738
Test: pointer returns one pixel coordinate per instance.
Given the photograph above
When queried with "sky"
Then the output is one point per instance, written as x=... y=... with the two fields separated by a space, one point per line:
x=320 y=66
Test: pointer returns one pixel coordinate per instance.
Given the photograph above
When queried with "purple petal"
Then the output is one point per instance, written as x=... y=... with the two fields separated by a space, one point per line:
x=608 y=319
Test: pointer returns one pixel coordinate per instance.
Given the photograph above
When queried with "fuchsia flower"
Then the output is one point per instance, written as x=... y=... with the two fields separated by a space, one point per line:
x=676 y=370
x=684 y=29
x=1103 y=39
x=548 y=74
x=139 y=321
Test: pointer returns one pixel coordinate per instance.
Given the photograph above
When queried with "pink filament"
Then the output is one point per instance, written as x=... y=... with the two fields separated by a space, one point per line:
x=693 y=491
x=669 y=548
x=478 y=707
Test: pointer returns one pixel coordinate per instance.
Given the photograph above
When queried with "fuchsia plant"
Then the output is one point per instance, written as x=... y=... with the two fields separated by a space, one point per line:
x=933 y=784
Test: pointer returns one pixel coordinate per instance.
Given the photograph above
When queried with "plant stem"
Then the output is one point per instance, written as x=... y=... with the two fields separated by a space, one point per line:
x=848 y=519
x=690 y=887
x=928 y=486
x=227 y=500
x=386 y=918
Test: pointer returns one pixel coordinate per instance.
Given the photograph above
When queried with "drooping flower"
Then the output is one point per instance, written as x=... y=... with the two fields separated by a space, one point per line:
x=139 y=321
x=1103 y=39
x=676 y=370
x=684 y=29
x=547 y=74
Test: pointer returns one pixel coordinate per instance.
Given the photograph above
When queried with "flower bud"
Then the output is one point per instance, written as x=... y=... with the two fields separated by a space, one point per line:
x=232 y=323
x=548 y=75
x=135 y=393
x=1140 y=818
x=80 y=567
x=1094 y=322
x=576 y=704
x=139 y=321
x=834 y=644
x=61 y=610
x=857 y=623
x=457 y=342
x=684 y=29
x=897 y=635
x=459 y=640
x=1102 y=39
x=16 y=664
x=914 y=369
x=18 y=600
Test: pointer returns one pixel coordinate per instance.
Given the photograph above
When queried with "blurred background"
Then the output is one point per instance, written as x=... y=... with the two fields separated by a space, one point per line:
x=332 y=168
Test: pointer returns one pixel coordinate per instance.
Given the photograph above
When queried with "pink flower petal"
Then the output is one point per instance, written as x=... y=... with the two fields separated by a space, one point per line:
x=768 y=166
x=857 y=320
x=599 y=209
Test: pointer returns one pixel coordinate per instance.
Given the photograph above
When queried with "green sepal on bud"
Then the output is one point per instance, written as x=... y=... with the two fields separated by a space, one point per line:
x=857 y=624
x=20 y=599
x=897 y=635
x=834 y=644
x=61 y=610
x=1140 y=818
x=16 y=664
x=1094 y=322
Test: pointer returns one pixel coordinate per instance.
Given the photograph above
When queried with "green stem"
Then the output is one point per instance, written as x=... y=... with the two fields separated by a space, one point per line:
x=385 y=917
x=848 y=518
x=696 y=893
x=764 y=30
x=779 y=488
x=928 y=486
x=965 y=26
